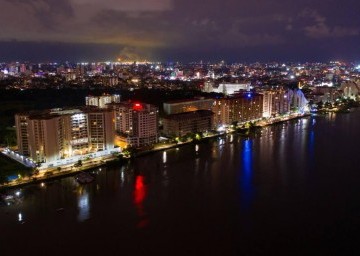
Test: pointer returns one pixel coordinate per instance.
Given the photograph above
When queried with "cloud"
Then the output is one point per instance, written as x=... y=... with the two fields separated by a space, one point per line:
x=185 y=25
x=320 y=29
x=84 y=21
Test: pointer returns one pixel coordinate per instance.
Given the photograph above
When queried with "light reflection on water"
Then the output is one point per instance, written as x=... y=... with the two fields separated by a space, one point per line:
x=164 y=157
x=202 y=190
x=139 y=197
x=246 y=174
x=83 y=204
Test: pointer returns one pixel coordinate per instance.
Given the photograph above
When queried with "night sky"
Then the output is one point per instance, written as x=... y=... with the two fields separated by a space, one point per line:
x=180 y=30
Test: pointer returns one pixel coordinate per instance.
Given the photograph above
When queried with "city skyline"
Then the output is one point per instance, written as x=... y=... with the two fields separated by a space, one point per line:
x=166 y=30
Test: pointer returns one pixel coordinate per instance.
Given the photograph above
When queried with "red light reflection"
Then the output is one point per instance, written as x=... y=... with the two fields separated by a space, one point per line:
x=139 y=196
x=139 y=193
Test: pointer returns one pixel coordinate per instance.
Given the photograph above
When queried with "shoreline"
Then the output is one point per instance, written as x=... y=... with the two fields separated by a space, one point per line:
x=111 y=160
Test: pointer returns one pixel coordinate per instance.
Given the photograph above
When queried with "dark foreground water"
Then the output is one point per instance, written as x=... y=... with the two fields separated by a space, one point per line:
x=293 y=189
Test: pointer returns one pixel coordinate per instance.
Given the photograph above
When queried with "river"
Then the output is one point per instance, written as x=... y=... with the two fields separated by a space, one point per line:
x=291 y=189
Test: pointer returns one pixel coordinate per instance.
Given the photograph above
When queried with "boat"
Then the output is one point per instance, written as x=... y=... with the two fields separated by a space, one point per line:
x=7 y=197
x=84 y=178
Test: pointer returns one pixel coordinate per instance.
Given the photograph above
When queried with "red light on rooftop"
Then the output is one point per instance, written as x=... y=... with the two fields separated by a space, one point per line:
x=137 y=106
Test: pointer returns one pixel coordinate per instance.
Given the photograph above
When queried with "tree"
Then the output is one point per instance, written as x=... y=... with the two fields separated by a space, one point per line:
x=3 y=179
x=35 y=171
x=78 y=163
x=129 y=151
x=234 y=124
x=328 y=105
x=320 y=105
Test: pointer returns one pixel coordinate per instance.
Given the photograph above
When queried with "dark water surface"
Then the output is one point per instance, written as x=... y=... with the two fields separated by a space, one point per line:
x=293 y=189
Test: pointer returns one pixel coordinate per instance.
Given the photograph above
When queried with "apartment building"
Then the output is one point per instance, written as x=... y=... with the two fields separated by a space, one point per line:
x=54 y=134
x=136 y=123
x=240 y=107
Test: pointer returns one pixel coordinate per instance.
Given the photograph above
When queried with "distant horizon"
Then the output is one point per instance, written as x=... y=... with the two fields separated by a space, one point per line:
x=38 y=53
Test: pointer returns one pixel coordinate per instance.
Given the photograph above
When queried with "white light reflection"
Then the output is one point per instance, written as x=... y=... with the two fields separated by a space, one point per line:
x=197 y=165
x=122 y=176
x=222 y=142
x=164 y=157
x=20 y=218
x=84 y=206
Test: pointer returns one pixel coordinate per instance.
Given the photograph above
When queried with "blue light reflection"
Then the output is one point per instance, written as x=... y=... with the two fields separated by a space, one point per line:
x=246 y=175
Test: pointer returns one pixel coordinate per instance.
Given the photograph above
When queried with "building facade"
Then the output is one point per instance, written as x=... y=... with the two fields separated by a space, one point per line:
x=241 y=107
x=101 y=101
x=229 y=89
x=181 y=106
x=188 y=122
x=226 y=89
x=276 y=101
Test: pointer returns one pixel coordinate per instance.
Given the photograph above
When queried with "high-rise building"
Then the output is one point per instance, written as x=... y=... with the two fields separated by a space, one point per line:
x=241 y=107
x=275 y=102
x=101 y=101
x=101 y=130
x=280 y=103
x=21 y=123
x=267 y=103
x=22 y=68
x=50 y=135
x=46 y=138
x=136 y=123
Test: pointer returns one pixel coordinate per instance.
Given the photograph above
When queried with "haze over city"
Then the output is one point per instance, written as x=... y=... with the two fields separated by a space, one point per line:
x=174 y=30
